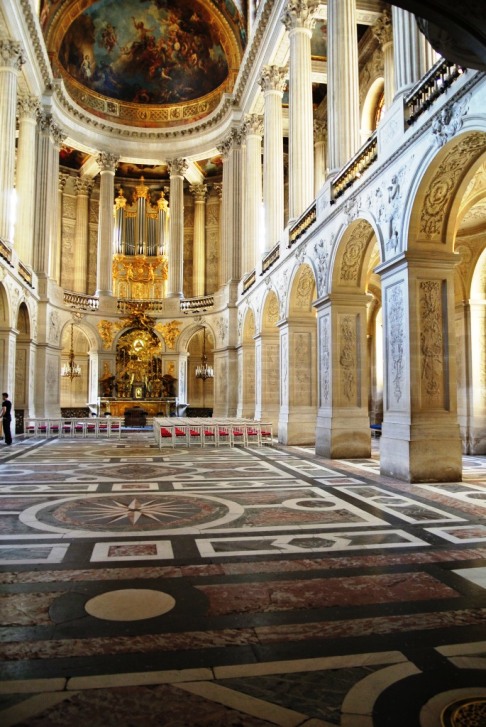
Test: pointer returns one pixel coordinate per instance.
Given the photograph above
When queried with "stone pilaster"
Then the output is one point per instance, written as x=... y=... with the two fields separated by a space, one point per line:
x=267 y=376
x=11 y=60
x=231 y=208
x=272 y=82
x=342 y=419
x=104 y=280
x=28 y=109
x=83 y=188
x=47 y=253
x=420 y=432
x=199 y=192
x=342 y=83
x=299 y=20
x=253 y=246
x=177 y=169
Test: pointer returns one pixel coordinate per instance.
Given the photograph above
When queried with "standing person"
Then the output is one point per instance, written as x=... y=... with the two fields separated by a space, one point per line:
x=6 y=417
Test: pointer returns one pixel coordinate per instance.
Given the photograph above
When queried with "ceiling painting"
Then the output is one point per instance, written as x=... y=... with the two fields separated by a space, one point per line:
x=146 y=62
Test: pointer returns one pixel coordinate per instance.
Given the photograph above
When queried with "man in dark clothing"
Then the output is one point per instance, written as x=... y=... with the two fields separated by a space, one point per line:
x=6 y=417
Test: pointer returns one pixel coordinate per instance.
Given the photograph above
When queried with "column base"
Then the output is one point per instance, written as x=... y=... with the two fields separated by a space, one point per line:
x=297 y=426
x=344 y=438
x=423 y=457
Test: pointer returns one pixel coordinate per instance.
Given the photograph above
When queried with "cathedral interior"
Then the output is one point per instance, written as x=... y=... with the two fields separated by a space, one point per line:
x=243 y=331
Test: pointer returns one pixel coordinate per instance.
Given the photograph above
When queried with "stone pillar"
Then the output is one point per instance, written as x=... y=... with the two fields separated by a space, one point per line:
x=60 y=194
x=343 y=427
x=272 y=82
x=420 y=439
x=199 y=249
x=11 y=60
x=177 y=168
x=28 y=108
x=8 y=353
x=299 y=21
x=267 y=376
x=83 y=188
x=471 y=345
x=342 y=83
x=413 y=54
x=320 y=156
x=225 y=374
x=253 y=193
x=104 y=280
x=231 y=209
x=383 y=31
x=47 y=253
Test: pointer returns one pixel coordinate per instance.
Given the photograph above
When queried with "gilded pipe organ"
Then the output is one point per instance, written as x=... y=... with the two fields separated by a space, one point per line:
x=141 y=235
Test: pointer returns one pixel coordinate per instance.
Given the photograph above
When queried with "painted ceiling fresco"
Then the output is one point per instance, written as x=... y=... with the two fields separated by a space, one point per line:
x=116 y=55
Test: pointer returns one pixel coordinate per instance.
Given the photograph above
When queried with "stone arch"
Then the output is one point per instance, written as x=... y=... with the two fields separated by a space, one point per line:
x=436 y=200
x=246 y=378
x=4 y=307
x=370 y=107
x=267 y=361
x=299 y=361
x=470 y=318
x=75 y=393
x=200 y=393
x=24 y=362
x=352 y=254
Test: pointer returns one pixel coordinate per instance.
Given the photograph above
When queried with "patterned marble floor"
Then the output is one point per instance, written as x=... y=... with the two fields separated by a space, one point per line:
x=242 y=587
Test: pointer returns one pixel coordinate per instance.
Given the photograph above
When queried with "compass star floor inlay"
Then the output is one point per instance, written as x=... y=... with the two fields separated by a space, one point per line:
x=259 y=586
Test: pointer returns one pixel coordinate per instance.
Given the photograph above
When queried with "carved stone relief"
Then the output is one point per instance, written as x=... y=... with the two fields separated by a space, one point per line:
x=442 y=185
x=302 y=363
x=322 y=264
x=325 y=346
x=222 y=329
x=396 y=339
x=353 y=253
x=54 y=327
x=305 y=288
x=449 y=121
x=431 y=341
x=347 y=357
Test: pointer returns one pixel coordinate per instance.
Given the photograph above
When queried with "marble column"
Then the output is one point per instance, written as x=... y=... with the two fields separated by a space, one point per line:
x=11 y=60
x=83 y=188
x=28 y=109
x=342 y=83
x=177 y=168
x=343 y=426
x=413 y=54
x=60 y=195
x=299 y=20
x=199 y=192
x=252 y=129
x=104 y=280
x=218 y=189
x=272 y=82
x=420 y=439
x=47 y=253
x=232 y=208
x=320 y=156
x=383 y=31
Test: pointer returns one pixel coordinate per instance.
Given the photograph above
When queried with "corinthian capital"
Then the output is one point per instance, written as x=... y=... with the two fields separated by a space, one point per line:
x=300 y=14
x=382 y=28
x=253 y=125
x=28 y=107
x=177 y=167
x=107 y=162
x=11 y=54
x=273 y=78
x=199 y=191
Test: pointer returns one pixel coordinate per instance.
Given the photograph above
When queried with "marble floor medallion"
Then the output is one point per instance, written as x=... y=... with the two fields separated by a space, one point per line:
x=130 y=604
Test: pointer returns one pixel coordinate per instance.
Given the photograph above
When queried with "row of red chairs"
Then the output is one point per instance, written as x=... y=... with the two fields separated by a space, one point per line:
x=73 y=427
x=213 y=434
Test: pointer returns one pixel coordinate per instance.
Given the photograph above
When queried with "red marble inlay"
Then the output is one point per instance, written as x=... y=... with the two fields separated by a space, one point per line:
x=323 y=593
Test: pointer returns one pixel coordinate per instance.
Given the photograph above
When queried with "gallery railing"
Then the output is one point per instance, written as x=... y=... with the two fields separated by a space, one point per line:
x=303 y=223
x=271 y=258
x=81 y=301
x=353 y=170
x=431 y=86
x=197 y=305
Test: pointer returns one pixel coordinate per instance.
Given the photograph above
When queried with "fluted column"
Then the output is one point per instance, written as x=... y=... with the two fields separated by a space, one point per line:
x=83 y=188
x=28 y=109
x=11 y=60
x=104 y=279
x=47 y=253
x=199 y=249
x=342 y=83
x=272 y=82
x=177 y=168
x=253 y=128
x=299 y=21
x=413 y=54
x=218 y=189
x=320 y=157
x=232 y=208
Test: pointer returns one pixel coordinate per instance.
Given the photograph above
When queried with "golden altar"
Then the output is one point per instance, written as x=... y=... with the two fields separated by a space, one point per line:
x=166 y=406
